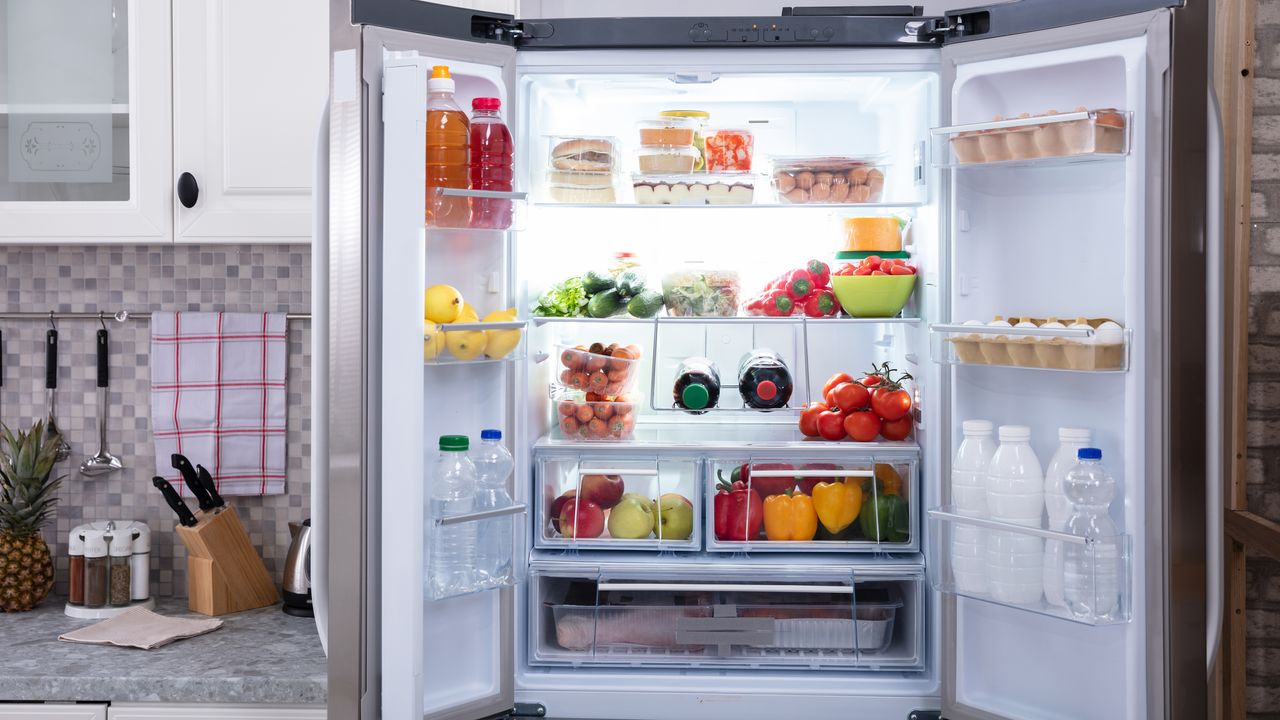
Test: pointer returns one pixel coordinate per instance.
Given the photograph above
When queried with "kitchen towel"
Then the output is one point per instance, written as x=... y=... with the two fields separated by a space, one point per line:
x=218 y=397
x=141 y=628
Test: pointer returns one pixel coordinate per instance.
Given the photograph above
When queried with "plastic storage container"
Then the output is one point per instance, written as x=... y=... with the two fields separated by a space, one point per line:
x=729 y=150
x=699 y=118
x=607 y=371
x=699 y=291
x=693 y=189
x=580 y=169
x=668 y=132
x=665 y=159
x=832 y=179
x=605 y=420
x=1078 y=134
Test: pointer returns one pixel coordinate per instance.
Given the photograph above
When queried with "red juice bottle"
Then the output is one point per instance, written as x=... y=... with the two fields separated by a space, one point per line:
x=490 y=164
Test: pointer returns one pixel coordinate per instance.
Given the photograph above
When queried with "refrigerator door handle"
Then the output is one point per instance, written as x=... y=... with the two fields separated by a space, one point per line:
x=724 y=587
x=319 y=555
x=1213 y=401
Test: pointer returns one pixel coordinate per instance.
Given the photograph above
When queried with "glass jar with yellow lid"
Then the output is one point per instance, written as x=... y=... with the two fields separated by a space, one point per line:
x=700 y=119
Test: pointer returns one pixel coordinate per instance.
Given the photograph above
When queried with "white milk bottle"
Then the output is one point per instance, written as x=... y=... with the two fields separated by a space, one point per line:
x=1015 y=495
x=969 y=498
x=1058 y=507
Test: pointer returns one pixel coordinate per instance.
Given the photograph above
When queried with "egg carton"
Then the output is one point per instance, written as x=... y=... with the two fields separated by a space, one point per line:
x=1083 y=132
x=1054 y=353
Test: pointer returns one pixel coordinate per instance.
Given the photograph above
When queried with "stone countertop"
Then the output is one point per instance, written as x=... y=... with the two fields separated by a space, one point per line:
x=257 y=656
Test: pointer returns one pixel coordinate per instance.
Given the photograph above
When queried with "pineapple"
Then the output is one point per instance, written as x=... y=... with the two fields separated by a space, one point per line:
x=26 y=505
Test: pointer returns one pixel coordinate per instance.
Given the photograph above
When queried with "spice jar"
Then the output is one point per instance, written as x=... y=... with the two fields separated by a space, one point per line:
x=75 y=573
x=118 y=585
x=95 y=568
x=140 y=563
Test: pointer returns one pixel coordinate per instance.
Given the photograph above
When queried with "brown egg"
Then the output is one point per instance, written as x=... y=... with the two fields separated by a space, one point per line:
x=821 y=192
x=874 y=177
x=822 y=178
x=840 y=192
x=797 y=195
x=783 y=182
x=858 y=175
x=839 y=179
x=860 y=194
x=804 y=179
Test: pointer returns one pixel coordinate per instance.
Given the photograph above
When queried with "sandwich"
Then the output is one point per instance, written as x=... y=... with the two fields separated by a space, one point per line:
x=583 y=155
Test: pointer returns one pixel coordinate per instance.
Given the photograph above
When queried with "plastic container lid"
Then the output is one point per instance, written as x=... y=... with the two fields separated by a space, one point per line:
x=1089 y=454
x=977 y=427
x=122 y=542
x=1072 y=434
x=1015 y=433
x=454 y=443
x=75 y=546
x=696 y=114
x=95 y=543
x=863 y=254
x=767 y=390
x=490 y=434
x=695 y=396
x=440 y=80
x=486 y=103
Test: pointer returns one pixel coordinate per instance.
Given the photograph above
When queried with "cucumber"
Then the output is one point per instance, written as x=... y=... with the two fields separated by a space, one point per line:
x=605 y=304
x=630 y=284
x=597 y=282
x=646 y=304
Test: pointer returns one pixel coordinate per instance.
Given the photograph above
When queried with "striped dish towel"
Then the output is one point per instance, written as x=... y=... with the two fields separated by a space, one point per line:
x=218 y=397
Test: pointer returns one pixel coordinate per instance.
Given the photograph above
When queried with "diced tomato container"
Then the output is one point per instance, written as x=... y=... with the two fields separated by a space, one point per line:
x=604 y=375
x=604 y=420
x=729 y=150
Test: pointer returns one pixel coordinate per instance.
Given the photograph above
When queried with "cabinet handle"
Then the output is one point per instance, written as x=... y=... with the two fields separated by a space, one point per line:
x=188 y=190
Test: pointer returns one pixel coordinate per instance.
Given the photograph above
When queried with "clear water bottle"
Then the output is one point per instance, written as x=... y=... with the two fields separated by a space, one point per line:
x=453 y=492
x=1091 y=579
x=969 y=498
x=1058 y=507
x=1015 y=495
x=493 y=544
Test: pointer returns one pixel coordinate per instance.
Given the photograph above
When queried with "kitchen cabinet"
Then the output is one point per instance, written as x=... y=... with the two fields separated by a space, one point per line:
x=155 y=711
x=250 y=82
x=53 y=711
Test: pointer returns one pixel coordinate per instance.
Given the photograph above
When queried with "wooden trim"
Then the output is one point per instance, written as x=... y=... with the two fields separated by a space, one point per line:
x=1234 y=640
x=1255 y=532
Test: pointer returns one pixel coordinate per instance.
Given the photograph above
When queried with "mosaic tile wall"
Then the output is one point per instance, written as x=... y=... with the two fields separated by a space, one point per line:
x=92 y=278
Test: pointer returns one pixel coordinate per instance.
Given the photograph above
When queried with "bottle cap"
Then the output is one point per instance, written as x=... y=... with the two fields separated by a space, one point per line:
x=1072 y=434
x=95 y=543
x=440 y=71
x=490 y=434
x=454 y=443
x=487 y=103
x=75 y=545
x=441 y=80
x=1089 y=454
x=1014 y=433
x=767 y=390
x=976 y=427
x=122 y=542
x=696 y=397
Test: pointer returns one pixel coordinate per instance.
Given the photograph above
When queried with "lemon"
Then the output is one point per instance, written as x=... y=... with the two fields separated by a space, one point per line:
x=432 y=342
x=468 y=314
x=465 y=344
x=443 y=304
x=500 y=343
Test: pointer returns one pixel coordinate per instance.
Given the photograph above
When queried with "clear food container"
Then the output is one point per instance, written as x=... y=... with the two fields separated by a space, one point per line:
x=832 y=179
x=729 y=150
x=582 y=153
x=696 y=291
x=668 y=131
x=700 y=118
x=603 y=370
x=568 y=186
x=693 y=189
x=603 y=420
x=666 y=159
x=1081 y=132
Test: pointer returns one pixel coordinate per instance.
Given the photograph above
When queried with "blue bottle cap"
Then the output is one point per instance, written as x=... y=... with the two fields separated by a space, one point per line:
x=1089 y=454
x=490 y=434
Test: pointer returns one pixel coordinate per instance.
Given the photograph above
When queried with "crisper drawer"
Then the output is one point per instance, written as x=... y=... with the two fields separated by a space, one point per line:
x=612 y=501
x=854 y=504
x=871 y=623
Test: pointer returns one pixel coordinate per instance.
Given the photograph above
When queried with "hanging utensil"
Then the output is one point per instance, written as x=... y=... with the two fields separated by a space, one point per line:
x=51 y=386
x=104 y=462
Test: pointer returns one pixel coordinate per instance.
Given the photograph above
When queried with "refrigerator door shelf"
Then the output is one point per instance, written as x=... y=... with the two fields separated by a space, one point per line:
x=509 y=210
x=735 y=320
x=484 y=521
x=1097 y=584
x=1058 y=139
x=1070 y=350
x=474 y=343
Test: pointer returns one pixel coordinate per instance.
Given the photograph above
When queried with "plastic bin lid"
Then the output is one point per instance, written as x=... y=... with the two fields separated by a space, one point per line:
x=861 y=254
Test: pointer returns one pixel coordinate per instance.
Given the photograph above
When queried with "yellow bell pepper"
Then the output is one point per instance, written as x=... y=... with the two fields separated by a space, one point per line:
x=790 y=517
x=837 y=504
x=887 y=479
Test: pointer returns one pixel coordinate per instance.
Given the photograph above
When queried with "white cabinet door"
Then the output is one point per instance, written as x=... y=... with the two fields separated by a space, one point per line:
x=53 y=711
x=157 y=711
x=250 y=80
x=85 y=122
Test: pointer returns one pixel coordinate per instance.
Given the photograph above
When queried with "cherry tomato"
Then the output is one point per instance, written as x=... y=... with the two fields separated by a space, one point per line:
x=896 y=429
x=891 y=404
x=863 y=270
x=850 y=396
x=872 y=261
x=862 y=425
x=835 y=380
x=809 y=418
x=901 y=270
x=831 y=425
x=878 y=272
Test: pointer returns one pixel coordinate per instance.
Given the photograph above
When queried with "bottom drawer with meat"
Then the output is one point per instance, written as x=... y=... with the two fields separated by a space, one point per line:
x=871 y=623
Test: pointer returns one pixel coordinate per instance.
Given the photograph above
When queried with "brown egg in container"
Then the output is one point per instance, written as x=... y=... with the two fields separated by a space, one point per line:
x=827 y=180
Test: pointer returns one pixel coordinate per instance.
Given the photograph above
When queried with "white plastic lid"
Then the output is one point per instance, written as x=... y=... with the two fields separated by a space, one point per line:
x=1015 y=433
x=75 y=546
x=95 y=543
x=976 y=427
x=141 y=543
x=441 y=85
x=122 y=542
x=1075 y=435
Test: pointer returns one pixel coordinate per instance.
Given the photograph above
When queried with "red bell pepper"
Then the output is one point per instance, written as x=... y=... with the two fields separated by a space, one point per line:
x=766 y=486
x=739 y=512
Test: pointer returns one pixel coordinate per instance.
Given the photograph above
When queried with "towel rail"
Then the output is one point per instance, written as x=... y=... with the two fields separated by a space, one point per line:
x=118 y=316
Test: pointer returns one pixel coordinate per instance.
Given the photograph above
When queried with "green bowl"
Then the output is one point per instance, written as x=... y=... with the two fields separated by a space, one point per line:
x=873 y=296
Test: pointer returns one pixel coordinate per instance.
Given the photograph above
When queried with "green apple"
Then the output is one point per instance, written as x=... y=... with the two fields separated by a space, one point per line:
x=673 y=517
x=631 y=518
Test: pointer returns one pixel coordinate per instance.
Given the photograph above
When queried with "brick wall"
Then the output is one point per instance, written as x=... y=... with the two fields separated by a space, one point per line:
x=1263 y=600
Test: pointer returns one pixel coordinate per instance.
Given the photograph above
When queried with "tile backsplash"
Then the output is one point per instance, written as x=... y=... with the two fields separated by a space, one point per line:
x=248 y=278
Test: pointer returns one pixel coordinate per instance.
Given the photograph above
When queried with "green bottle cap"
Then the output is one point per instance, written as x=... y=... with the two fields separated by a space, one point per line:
x=454 y=443
x=695 y=396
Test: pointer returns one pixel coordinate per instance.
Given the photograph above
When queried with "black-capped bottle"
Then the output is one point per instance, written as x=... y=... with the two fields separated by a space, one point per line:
x=697 y=385
x=763 y=380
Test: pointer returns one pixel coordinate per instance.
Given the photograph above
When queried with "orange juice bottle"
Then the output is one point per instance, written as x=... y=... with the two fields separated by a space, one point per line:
x=447 y=160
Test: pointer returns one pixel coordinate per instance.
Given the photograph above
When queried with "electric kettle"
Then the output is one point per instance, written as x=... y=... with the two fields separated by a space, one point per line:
x=297 y=571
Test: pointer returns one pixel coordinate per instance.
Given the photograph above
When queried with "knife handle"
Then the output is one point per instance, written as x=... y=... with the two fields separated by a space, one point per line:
x=1 y=359
x=211 y=487
x=102 y=358
x=185 y=517
x=51 y=359
x=192 y=479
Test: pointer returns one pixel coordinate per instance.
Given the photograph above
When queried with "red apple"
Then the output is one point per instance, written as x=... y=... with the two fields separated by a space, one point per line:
x=557 y=505
x=581 y=518
x=603 y=490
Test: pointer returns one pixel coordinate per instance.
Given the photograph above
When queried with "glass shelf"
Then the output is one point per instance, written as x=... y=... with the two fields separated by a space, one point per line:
x=800 y=207
x=1064 y=138
x=1062 y=349
x=719 y=437
x=1093 y=577
x=738 y=319
x=445 y=351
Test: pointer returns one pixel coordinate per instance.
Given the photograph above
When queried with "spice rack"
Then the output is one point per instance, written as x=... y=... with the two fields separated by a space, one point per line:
x=111 y=572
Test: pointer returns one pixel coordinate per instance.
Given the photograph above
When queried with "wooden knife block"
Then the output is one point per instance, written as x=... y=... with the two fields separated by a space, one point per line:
x=225 y=574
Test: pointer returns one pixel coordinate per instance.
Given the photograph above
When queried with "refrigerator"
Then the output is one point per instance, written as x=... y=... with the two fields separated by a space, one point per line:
x=1122 y=226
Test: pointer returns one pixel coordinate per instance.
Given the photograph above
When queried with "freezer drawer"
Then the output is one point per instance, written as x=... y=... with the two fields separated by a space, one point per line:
x=882 y=508
x=604 y=501
x=729 y=620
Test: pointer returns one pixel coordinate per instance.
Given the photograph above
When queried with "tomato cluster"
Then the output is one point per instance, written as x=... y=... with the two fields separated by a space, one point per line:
x=875 y=265
x=875 y=406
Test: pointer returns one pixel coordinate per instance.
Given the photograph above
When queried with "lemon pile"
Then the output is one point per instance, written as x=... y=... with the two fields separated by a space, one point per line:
x=443 y=306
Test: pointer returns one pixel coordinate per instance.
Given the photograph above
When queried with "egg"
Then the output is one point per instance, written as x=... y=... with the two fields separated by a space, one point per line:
x=1109 y=333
